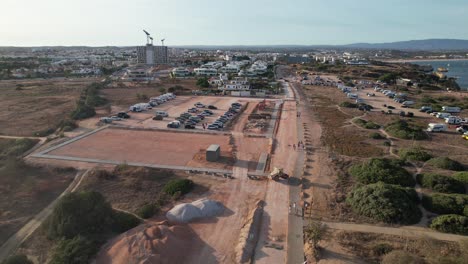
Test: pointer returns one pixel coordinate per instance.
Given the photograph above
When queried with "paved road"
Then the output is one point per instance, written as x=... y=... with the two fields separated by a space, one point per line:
x=407 y=231
x=19 y=237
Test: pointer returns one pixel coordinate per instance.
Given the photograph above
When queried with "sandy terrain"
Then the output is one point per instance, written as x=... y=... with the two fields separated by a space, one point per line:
x=153 y=147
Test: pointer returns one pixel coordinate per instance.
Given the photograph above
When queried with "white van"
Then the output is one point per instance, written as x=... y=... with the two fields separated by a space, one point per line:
x=443 y=115
x=162 y=113
x=434 y=127
x=407 y=103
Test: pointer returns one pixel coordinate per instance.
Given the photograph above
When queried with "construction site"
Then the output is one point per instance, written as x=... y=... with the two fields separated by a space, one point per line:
x=246 y=167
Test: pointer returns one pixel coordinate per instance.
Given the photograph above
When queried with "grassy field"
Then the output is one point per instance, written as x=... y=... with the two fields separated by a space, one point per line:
x=24 y=189
x=29 y=106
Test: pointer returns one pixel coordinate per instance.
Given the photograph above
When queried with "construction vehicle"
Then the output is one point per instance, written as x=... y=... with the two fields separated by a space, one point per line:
x=277 y=173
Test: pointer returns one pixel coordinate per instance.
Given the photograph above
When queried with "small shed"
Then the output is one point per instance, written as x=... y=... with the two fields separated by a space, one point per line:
x=213 y=152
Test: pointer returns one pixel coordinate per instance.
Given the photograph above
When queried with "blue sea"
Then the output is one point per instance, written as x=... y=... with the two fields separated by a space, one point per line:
x=458 y=69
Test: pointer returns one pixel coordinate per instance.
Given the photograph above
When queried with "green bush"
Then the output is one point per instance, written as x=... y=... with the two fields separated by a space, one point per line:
x=376 y=135
x=440 y=183
x=78 y=250
x=446 y=203
x=414 y=154
x=401 y=129
x=446 y=164
x=123 y=222
x=17 y=259
x=380 y=169
x=179 y=185
x=455 y=224
x=83 y=111
x=461 y=177
x=80 y=213
x=366 y=124
x=348 y=105
x=385 y=202
x=147 y=210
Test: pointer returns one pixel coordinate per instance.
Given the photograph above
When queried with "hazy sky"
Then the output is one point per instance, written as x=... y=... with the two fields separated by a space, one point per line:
x=225 y=22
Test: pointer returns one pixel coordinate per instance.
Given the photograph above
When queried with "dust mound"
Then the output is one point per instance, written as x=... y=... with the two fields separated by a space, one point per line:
x=186 y=212
x=157 y=243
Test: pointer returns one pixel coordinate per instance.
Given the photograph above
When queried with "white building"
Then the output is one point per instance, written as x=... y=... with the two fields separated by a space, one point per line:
x=206 y=71
x=180 y=72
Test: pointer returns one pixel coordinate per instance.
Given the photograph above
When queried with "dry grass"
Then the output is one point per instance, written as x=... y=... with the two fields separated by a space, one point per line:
x=372 y=247
x=29 y=106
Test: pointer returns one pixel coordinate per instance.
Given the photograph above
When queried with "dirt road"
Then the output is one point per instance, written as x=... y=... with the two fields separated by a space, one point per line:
x=406 y=231
x=15 y=241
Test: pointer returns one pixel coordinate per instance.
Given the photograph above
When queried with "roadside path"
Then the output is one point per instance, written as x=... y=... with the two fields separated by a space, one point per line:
x=19 y=237
x=406 y=231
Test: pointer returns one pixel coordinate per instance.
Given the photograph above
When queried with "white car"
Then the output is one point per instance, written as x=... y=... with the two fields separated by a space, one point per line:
x=199 y=105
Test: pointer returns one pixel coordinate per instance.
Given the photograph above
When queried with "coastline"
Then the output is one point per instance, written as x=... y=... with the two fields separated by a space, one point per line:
x=421 y=60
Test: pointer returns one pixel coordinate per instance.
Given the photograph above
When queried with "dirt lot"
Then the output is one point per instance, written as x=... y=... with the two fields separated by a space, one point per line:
x=30 y=106
x=152 y=147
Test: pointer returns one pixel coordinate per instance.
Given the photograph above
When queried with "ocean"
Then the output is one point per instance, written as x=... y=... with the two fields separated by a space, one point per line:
x=457 y=68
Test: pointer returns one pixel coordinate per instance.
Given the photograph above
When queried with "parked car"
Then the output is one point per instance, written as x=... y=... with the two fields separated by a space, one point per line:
x=410 y=114
x=390 y=107
x=158 y=117
x=199 y=105
x=189 y=126
x=193 y=110
x=208 y=112
x=123 y=115
x=162 y=113
x=213 y=127
x=212 y=107
x=174 y=124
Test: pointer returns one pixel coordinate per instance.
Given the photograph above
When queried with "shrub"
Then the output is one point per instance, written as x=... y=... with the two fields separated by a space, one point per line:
x=80 y=213
x=455 y=224
x=16 y=147
x=385 y=202
x=83 y=111
x=401 y=257
x=17 y=259
x=123 y=222
x=414 y=154
x=376 y=135
x=179 y=185
x=348 y=105
x=367 y=124
x=446 y=164
x=401 y=129
x=440 y=183
x=387 y=143
x=78 y=250
x=147 y=210
x=380 y=169
x=446 y=203
x=381 y=249
x=461 y=177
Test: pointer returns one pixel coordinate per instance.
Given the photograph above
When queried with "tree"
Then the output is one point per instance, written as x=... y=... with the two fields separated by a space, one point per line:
x=203 y=82
x=162 y=90
x=315 y=232
x=81 y=213
x=17 y=259
x=389 y=78
x=78 y=250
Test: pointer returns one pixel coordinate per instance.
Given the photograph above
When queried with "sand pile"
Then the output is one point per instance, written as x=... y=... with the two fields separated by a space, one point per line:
x=157 y=243
x=186 y=212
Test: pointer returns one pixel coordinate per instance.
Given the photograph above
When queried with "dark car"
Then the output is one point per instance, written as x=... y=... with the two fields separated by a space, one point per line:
x=410 y=114
x=390 y=107
x=212 y=107
x=158 y=117
x=189 y=126
x=402 y=113
x=123 y=115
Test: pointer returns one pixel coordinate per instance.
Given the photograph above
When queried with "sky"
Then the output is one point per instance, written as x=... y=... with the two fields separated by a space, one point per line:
x=226 y=22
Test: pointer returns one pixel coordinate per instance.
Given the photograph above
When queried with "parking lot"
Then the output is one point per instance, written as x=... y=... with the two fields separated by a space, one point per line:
x=179 y=105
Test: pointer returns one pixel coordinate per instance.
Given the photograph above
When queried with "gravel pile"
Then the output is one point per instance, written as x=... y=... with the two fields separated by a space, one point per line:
x=187 y=212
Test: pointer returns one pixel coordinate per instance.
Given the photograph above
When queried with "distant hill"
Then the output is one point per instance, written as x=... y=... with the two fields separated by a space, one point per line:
x=424 y=45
